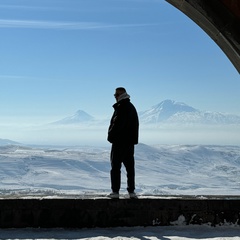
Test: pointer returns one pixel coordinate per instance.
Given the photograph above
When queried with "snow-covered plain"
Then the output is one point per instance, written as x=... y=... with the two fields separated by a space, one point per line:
x=84 y=171
x=160 y=170
x=123 y=233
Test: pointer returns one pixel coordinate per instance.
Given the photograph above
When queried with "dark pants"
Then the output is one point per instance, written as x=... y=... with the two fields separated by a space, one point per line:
x=122 y=154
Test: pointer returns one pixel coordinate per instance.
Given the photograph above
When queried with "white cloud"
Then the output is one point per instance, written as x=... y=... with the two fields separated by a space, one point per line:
x=5 y=23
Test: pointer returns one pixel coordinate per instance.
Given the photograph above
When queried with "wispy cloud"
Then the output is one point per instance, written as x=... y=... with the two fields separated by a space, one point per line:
x=11 y=77
x=25 y=7
x=63 y=25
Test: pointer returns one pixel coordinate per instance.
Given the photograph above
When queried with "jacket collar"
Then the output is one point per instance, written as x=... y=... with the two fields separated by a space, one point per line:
x=117 y=104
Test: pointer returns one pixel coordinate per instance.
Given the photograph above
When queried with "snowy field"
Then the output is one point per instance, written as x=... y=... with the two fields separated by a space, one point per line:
x=160 y=170
x=135 y=233
x=84 y=171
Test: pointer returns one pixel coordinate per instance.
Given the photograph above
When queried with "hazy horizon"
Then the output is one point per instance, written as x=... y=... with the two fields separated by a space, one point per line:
x=94 y=132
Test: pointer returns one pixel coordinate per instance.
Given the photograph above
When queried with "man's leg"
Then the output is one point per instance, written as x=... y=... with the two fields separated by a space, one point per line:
x=130 y=168
x=115 y=168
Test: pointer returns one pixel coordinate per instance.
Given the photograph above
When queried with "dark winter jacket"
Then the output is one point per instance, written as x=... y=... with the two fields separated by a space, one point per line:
x=124 y=124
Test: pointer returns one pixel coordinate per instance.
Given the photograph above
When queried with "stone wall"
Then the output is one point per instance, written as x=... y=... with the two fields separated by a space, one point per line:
x=79 y=213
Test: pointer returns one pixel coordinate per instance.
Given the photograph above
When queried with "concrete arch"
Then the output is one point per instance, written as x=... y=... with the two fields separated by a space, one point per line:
x=220 y=19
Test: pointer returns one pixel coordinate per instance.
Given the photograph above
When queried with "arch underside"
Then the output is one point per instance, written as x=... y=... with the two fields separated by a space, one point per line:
x=220 y=19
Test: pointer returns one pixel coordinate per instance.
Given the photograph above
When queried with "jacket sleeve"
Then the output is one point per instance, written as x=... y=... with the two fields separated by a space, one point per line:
x=117 y=127
x=111 y=130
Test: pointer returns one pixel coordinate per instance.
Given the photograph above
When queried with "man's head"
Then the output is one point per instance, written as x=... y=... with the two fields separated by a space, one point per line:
x=118 y=92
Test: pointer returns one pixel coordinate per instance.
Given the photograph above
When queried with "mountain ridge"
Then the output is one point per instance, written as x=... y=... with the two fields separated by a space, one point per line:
x=167 y=111
x=7 y=142
x=164 y=110
x=80 y=116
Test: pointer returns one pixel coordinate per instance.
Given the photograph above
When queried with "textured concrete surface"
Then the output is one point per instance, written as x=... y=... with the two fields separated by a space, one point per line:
x=103 y=212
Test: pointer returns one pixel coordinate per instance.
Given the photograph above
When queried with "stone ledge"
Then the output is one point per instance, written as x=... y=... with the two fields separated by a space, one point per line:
x=103 y=212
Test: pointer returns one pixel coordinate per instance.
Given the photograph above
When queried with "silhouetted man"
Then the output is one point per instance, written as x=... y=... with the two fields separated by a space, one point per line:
x=123 y=134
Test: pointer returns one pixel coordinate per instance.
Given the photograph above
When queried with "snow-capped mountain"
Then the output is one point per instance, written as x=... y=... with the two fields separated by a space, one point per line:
x=79 y=117
x=170 y=111
x=164 y=111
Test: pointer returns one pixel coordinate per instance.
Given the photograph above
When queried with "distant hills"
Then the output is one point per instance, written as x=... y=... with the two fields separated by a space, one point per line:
x=167 y=111
x=4 y=142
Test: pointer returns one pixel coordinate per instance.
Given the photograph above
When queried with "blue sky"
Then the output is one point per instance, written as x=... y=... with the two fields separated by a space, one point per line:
x=59 y=56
